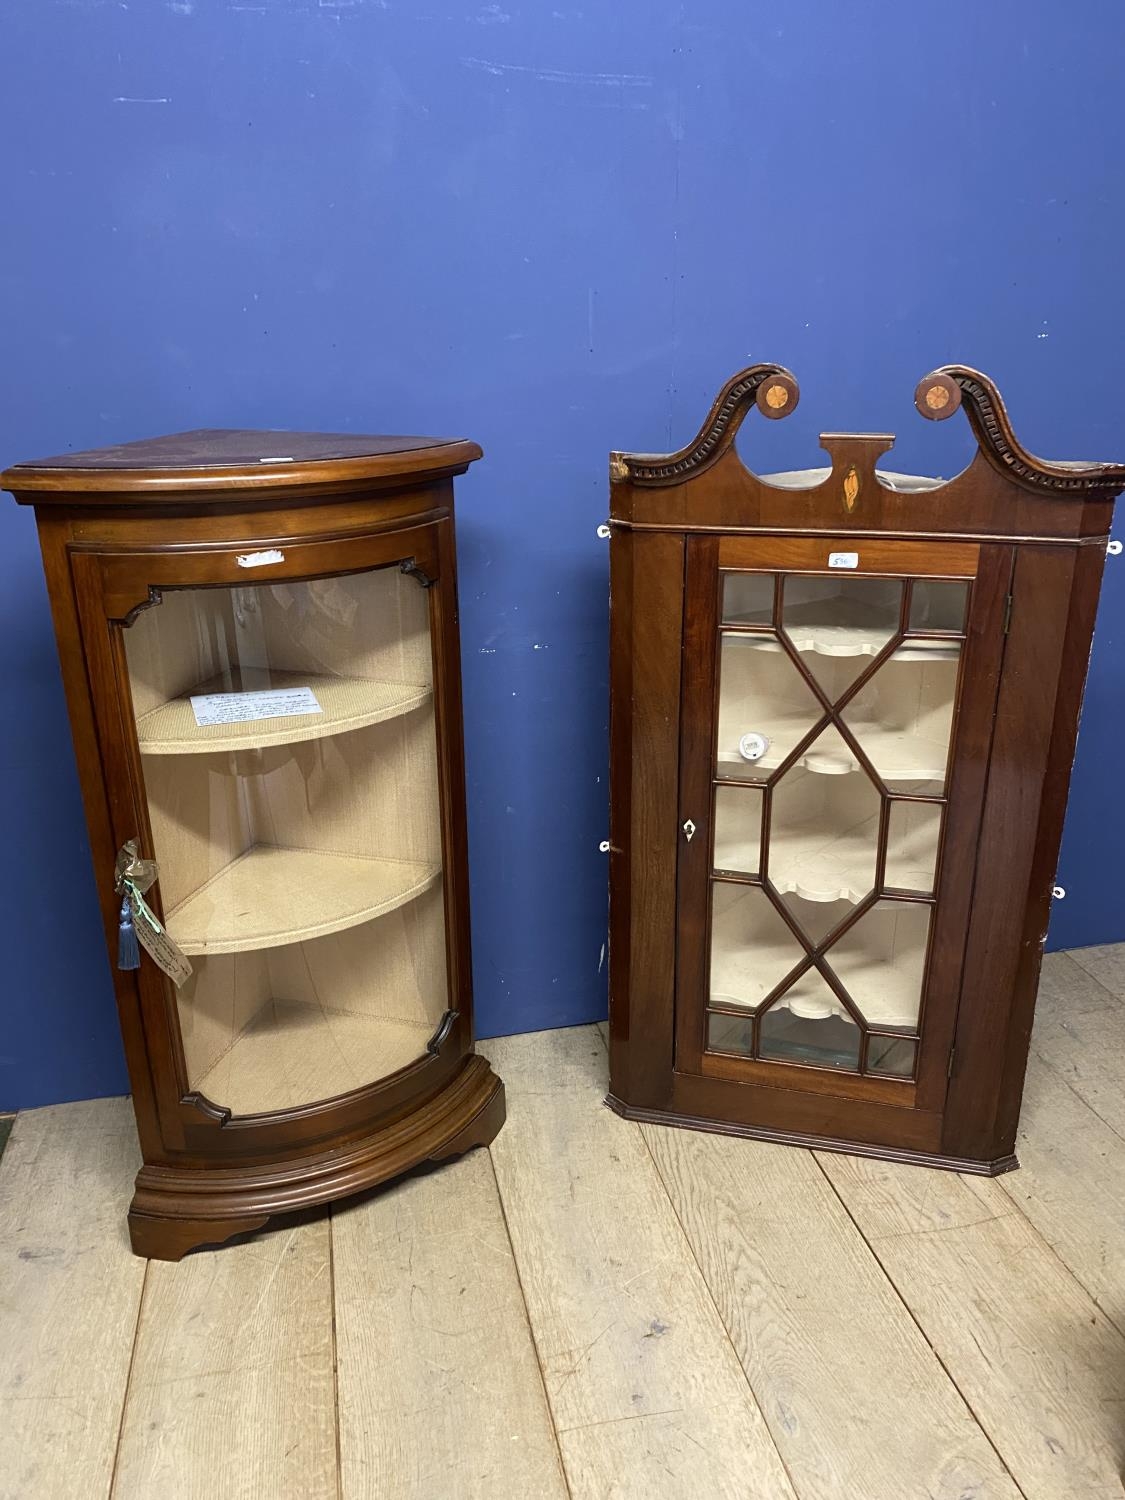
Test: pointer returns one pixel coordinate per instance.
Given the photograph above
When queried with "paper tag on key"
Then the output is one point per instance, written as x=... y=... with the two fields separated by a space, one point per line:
x=240 y=708
x=165 y=953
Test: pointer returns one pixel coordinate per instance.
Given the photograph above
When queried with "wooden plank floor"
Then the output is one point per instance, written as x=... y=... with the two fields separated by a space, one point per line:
x=594 y=1310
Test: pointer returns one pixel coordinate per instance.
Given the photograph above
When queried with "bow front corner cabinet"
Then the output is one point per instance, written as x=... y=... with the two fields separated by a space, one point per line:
x=843 y=712
x=259 y=643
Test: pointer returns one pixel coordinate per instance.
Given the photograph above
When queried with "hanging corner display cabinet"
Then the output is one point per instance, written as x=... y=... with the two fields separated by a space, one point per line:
x=843 y=713
x=259 y=643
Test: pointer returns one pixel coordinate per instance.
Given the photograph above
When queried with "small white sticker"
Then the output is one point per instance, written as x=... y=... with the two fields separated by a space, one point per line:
x=843 y=559
x=240 y=708
x=259 y=559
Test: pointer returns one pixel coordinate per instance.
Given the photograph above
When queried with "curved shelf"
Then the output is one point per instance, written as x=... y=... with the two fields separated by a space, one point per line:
x=808 y=479
x=817 y=864
x=295 y=1053
x=831 y=858
x=848 y=640
x=897 y=755
x=824 y=865
x=346 y=703
x=887 y=996
x=270 y=896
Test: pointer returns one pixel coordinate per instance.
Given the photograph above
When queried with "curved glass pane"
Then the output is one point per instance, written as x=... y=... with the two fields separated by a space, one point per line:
x=288 y=745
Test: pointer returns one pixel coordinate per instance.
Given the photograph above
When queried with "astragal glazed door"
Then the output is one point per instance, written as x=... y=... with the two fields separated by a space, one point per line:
x=836 y=726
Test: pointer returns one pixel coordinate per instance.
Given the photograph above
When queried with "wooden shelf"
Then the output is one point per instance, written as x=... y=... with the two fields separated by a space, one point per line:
x=270 y=896
x=295 y=1052
x=346 y=703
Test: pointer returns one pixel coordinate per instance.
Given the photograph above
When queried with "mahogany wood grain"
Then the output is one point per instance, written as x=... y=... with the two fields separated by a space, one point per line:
x=210 y=464
x=1036 y=727
x=118 y=526
x=981 y=660
x=1030 y=536
x=120 y=573
x=645 y=624
x=812 y=1080
x=806 y=554
x=697 y=802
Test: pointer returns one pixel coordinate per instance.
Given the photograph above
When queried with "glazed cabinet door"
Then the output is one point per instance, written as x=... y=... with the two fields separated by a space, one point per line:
x=281 y=734
x=838 y=703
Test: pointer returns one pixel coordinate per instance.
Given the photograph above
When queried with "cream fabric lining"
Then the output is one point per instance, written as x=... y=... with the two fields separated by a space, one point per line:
x=294 y=1053
x=300 y=858
x=346 y=703
x=272 y=895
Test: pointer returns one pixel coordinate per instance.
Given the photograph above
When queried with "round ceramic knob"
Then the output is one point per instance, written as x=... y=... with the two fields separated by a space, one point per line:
x=753 y=746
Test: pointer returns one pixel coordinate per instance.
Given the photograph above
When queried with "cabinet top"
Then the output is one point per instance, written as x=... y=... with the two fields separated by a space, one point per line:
x=214 y=459
x=1006 y=492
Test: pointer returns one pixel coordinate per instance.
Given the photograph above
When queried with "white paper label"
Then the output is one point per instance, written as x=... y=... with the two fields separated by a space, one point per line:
x=163 y=950
x=157 y=942
x=240 y=708
x=259 y=559
x=843 y=559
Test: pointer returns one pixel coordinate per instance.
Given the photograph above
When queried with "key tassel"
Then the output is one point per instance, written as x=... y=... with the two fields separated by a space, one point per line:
x=128 y=949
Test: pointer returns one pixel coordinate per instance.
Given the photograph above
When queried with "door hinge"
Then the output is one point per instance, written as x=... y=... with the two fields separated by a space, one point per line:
x=1007 y=613
x=952 y=1055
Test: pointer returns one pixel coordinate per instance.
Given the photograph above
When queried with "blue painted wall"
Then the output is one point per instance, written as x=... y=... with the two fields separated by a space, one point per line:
x=555 y=228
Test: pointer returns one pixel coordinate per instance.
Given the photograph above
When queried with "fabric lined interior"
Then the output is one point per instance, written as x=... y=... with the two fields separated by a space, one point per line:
x=300 y=857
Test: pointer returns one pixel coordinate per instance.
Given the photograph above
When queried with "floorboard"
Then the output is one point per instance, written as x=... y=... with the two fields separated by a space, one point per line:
x=1041 y=1368
x=1105 y=963
x=646 y=1391
x=70 y=1289
x=1080 y=1031
x=439 y=1387
x=1071 y=1184
x=596 y=1311
x=1068 y=987
x=855 y=1398
x=231 y=1395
